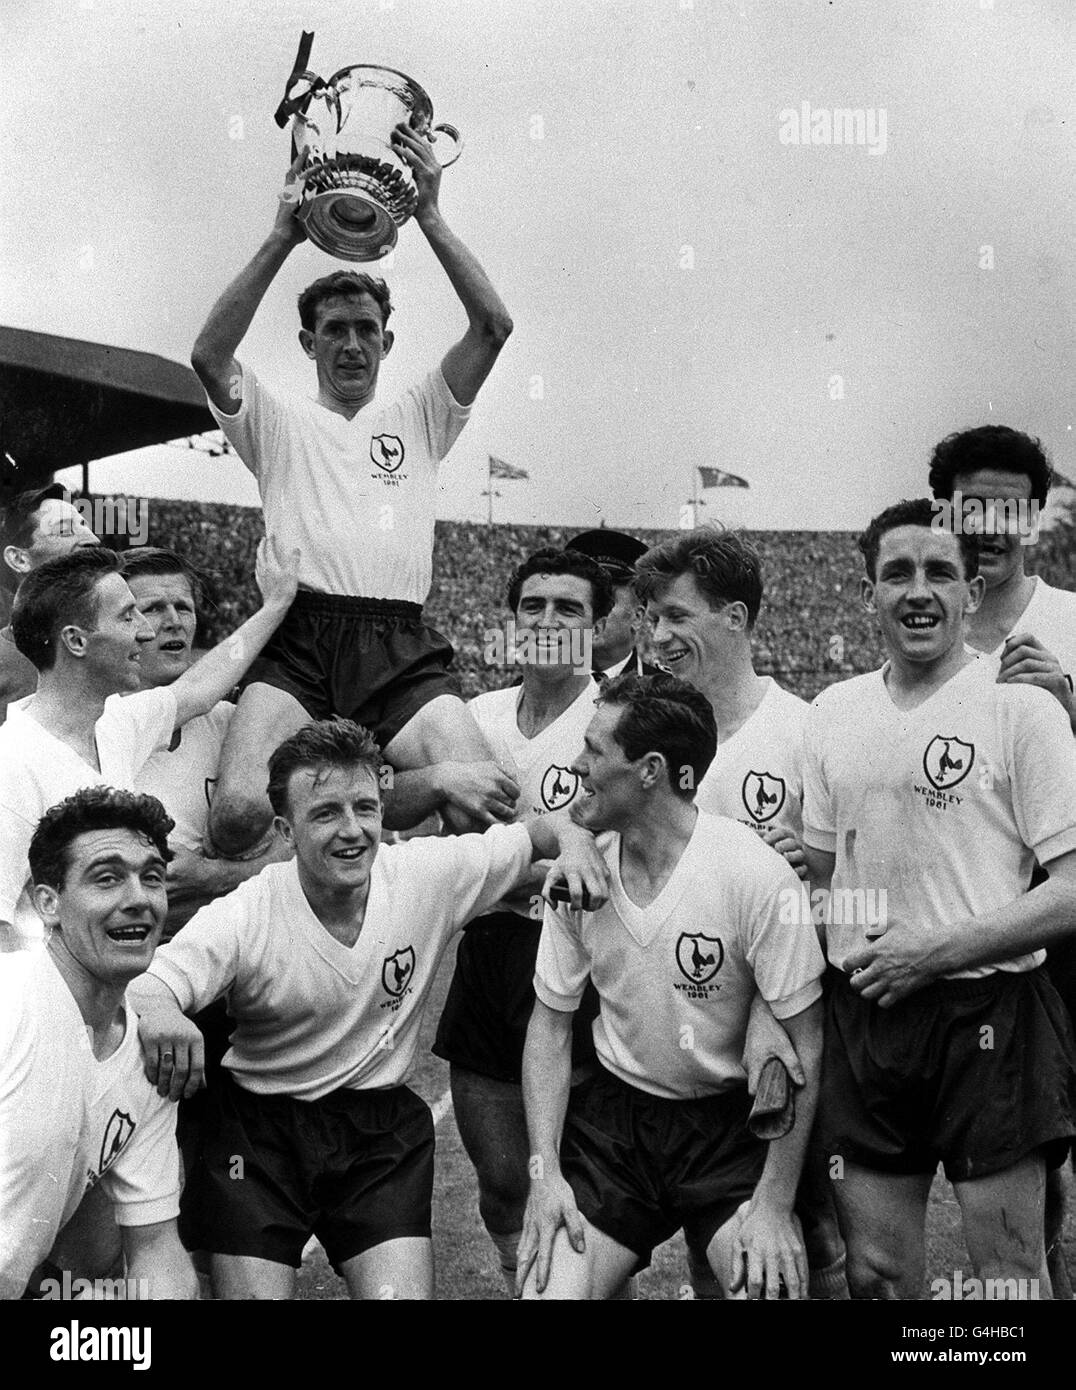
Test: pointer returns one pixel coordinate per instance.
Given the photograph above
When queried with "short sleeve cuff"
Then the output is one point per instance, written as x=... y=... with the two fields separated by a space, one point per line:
x=441 y=390
x=794 y=1004
x=1064 y=842
x=174 y=978
x=824 y=840
x=148 y=1211
x=237 y=417
x=562 y=1003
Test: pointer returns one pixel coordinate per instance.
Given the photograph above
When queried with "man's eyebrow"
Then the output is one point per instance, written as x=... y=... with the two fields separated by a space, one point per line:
x=114 y=860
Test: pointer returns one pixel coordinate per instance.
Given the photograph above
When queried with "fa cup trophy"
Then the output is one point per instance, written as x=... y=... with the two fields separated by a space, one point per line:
x=354 y=190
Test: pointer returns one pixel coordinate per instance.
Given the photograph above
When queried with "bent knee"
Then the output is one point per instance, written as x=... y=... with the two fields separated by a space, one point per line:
x=875 y=1275
x=237 y=821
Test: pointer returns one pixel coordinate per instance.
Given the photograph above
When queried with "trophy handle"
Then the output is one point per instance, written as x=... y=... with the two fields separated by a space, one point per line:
x=454 y=135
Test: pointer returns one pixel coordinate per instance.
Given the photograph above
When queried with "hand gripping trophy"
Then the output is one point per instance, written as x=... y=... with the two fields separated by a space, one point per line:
x=353 y=188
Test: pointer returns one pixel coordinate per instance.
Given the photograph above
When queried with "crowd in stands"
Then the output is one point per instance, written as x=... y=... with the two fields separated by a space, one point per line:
x=811 y=632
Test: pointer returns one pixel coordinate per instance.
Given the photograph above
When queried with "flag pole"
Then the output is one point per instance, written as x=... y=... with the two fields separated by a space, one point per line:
x=489 y=486
x=694 y=497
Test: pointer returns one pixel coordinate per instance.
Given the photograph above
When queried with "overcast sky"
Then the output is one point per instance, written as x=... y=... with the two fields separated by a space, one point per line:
x=688 y=287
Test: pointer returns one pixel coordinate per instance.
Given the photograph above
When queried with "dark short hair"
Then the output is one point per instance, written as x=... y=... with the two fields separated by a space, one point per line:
x=61 y=591
x=326 y=744
x=725 y=565
x=663 y=714
x=152 y=559
x=995 y=447
x=349 y=283
x=553 y=561
x=94 y=808
x=18 y=521
x=920 y=511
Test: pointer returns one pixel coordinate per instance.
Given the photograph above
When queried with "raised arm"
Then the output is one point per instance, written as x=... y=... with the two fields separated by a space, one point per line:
x=213 y=675
x=213 y=355
x=470 y=361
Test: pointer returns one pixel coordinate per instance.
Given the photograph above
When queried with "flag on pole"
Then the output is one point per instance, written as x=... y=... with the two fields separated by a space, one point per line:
x=1060 y=481
x=715 y=477
x=509 y=471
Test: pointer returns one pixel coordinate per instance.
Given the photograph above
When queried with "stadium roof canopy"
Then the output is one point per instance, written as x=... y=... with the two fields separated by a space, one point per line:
x=64 y=402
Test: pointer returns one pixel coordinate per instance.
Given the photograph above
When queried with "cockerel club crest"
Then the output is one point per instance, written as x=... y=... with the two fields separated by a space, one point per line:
x=699 y=957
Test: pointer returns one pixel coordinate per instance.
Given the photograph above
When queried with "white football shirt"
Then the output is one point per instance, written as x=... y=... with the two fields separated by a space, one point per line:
x=313 y=1015
x=357 y=497
x=543 y=763
x=943 y=808
x=1051 y=617
x=757 y=775
x=38 y=770
x=68 y=1121
x=676 y=979
x=182 y=778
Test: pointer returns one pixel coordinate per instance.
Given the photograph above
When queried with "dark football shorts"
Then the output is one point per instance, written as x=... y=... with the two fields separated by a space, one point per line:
x=642 y=1167
x=975 y=1074
x=484 y=1022
x=371 y=660
x=354 y=1168
x=216 y=1026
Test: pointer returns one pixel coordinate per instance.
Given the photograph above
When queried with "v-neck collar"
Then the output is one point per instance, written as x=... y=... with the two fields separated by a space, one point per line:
x=350 y=962
x=645 y=923
x=21 y=712
x=533 y=738
x=336 y=413
x=944 y=688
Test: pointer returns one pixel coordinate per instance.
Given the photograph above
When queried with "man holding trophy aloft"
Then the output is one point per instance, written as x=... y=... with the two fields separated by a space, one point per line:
x=349 y=482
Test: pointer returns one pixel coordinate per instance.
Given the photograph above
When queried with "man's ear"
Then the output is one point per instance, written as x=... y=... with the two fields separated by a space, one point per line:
x=306 y=342
x=653 y=767
x=387 y=340
x=74 y=638
x=283 y=829
x=976 y=593
x=47 y=902
x=866 y=595
x=17 y=559
x=736 y=615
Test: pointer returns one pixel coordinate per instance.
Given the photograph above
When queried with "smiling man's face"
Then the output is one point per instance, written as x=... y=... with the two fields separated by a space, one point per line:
x=1001 y=554
x=691 y=637
x=334 y=822
x=112 y=905
x=920 y=595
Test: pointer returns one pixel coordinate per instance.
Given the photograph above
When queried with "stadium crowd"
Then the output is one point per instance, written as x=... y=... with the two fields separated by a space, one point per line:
x=808 y=635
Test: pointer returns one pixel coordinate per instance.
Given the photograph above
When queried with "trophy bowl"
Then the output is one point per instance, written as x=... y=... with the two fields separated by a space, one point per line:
x=356 y=191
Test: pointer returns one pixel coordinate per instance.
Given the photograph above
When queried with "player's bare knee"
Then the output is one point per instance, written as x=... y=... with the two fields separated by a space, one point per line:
x=875 y=1274
x=237 y=822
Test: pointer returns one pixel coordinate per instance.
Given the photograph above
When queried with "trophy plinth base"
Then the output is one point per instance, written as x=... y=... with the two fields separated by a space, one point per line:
x=353 y=206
